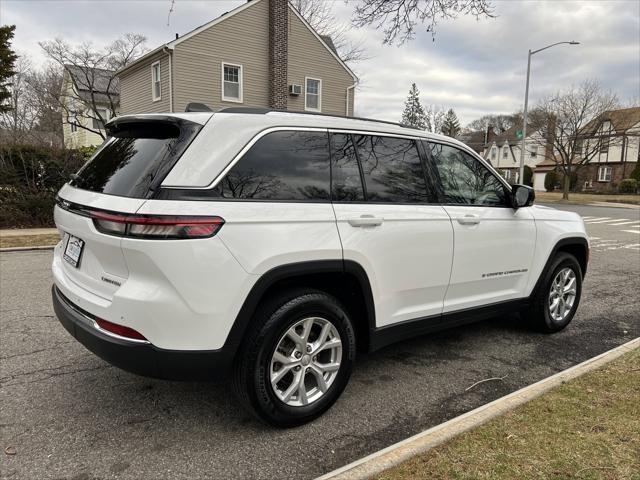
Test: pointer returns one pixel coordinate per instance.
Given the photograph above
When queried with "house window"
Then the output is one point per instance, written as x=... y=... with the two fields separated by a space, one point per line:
x=604 y=174
x=156 y=90
x=533 y=153
x=97 y=123
x=73 y=125
x=506 y=174
x=505 y=153
x=494 y=153
x=313 y=94
x=231 y=83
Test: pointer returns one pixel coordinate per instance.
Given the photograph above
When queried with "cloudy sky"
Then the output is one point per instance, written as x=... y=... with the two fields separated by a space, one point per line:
x=476 y=67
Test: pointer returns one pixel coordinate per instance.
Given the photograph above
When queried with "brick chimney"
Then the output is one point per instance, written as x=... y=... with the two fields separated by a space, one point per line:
x=489 y=135
x=278 y=43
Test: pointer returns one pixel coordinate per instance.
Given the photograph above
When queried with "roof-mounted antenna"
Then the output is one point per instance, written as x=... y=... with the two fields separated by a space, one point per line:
x=173 y=2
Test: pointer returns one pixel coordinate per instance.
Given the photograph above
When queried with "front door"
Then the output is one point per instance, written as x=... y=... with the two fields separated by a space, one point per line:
x=387 y=225
x=494 y=244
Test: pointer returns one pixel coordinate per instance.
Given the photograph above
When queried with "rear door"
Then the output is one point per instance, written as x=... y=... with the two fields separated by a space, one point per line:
x=494 y=243
x=387 y=225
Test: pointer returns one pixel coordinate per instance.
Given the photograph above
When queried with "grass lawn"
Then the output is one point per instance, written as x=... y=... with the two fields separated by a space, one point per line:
x=28 y=240
x=588 y=428
x=587 y=198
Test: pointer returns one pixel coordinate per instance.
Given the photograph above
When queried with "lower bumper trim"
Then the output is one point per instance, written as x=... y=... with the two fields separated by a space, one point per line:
x=143 y=358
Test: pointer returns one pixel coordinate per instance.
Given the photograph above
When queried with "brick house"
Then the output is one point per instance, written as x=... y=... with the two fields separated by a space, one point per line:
x=261 y=54
x=618 y=132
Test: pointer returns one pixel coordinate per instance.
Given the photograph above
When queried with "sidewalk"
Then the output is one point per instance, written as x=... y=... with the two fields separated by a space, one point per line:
x=21 y=232
x=615 y=205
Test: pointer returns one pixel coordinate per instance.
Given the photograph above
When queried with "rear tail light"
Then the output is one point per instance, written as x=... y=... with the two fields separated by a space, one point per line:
x=172 y=227
x=119 y=330
x=155 y=226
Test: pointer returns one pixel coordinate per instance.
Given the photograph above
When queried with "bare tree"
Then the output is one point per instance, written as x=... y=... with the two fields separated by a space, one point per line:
x=399 y=18
x=434 y=118
x=93 y=70
x=45 y=86
x=18 y=120
x=500 y=122
x=319 y=14
x=570 y=126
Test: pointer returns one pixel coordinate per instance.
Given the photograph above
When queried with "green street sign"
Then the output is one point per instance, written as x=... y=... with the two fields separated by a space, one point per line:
x=519 y=134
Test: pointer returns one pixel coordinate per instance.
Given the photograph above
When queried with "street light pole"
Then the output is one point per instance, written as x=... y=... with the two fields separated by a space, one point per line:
x=526 y=104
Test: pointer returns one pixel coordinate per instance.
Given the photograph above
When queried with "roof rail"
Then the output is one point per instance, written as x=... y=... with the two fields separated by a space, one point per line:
x=264 y=111
x=251 y=110
x=197 y=107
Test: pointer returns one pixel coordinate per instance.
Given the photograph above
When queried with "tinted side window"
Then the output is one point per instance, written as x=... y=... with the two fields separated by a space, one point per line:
x=464 y=179
x=347 y=183
x=392 y=169
x=286 y=165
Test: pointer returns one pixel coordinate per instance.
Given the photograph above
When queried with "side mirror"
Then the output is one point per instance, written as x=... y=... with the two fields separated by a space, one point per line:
x=522 y=196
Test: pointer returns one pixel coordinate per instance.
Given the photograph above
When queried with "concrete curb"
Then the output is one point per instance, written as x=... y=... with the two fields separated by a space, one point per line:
x=27 y=249
x=395 y=454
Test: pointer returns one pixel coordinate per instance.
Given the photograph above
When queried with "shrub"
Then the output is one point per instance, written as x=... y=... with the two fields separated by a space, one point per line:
x=550 y=180
x=30 y=177
x=528 y=176
x=629 y=185
x=635 y=175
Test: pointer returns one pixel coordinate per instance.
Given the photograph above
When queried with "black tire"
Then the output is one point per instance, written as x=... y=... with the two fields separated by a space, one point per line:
x=539 y=314
x=272 y=319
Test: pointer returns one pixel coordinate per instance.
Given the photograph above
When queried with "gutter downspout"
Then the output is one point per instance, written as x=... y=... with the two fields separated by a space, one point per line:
x=346 y=108
x=168 y=51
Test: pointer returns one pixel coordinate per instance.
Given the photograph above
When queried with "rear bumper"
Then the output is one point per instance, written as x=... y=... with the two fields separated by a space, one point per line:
x=138 y=358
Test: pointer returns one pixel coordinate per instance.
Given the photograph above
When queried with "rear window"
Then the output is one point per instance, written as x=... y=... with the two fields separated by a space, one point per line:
x=136 y=157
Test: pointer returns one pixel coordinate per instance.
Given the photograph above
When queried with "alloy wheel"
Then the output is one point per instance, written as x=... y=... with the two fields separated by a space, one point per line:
x=306 y=361
x=562 y=294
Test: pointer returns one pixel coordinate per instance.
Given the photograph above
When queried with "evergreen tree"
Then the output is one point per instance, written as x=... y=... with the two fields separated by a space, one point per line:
x=450 y=124
x=414 y=114
x=7 y=60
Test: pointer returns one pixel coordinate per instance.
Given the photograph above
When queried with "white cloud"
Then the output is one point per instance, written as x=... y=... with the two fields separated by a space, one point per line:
x=476 y=67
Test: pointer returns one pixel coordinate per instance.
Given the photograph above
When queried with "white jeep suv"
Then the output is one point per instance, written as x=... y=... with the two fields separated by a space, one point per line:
x=268 y=247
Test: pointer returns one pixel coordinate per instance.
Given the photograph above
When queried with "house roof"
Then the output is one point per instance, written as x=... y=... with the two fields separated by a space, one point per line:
x=325 y=40
x=510 y=135
x=621 y=119
x=475 y=140
x=105 y=86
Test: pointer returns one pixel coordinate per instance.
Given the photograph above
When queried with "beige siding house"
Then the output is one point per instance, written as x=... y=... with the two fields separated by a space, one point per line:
x=89 y=98
x=262 y=54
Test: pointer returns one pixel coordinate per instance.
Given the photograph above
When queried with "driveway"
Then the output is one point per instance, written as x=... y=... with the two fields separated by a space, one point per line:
x=67 y=414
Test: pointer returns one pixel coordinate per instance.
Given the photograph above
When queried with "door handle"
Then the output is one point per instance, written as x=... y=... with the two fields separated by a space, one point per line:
x=365 y=221
x=469 y=220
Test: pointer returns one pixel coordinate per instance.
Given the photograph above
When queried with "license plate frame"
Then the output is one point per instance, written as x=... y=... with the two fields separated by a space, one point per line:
x=73 y=250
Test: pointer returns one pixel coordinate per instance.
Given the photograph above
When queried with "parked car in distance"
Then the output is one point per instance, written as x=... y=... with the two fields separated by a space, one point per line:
x=269 y=247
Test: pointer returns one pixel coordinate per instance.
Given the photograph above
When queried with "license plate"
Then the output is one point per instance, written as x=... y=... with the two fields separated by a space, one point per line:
x=73 y=250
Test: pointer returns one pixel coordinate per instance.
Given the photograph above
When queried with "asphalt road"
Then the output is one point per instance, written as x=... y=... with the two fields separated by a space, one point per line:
x=67 y=414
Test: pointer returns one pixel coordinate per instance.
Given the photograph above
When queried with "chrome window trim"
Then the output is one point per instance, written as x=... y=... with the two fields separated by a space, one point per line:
x=266 y=131
x=244 y=150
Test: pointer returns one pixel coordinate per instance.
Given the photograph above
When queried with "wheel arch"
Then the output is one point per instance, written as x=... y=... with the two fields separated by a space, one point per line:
x=344 y=279
x=576 y=246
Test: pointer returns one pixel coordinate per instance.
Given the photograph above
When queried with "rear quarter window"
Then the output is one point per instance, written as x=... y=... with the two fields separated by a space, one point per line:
x=135 y=158
x=281 y=166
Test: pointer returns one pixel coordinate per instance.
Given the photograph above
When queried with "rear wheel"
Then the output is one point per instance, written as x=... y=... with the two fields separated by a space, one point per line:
x=297 y=360
x=557 y=299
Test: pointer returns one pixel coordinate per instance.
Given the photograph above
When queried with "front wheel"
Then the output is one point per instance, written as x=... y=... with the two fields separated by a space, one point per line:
x=557 y=299
x=298 y=359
